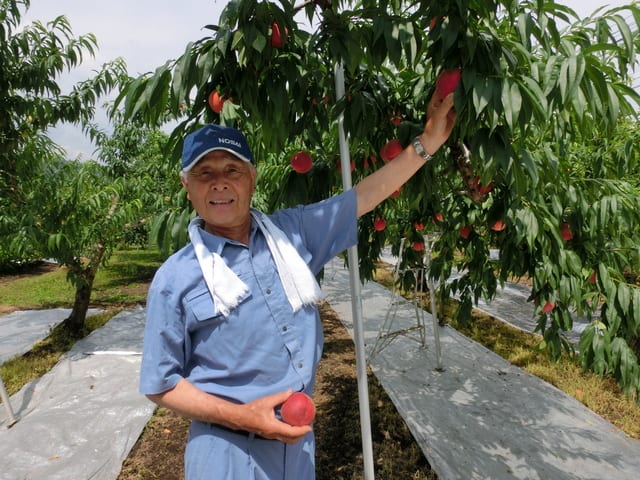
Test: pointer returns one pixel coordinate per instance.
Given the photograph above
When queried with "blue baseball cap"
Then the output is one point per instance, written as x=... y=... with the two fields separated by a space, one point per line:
x=213 y=137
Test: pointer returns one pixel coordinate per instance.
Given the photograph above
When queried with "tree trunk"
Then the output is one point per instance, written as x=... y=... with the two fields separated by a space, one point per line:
x=75 y=321
x=84 y=286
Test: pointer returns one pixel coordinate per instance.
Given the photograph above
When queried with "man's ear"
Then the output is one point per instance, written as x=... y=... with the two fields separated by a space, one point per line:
x=184 y=185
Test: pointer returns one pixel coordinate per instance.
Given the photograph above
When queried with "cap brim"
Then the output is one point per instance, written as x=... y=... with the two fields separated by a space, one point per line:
x=199 y=157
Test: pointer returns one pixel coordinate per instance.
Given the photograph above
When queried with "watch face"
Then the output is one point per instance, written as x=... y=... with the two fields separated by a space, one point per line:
x=417 y=144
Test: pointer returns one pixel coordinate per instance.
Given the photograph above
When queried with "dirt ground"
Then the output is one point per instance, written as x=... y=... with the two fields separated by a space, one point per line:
x=158 y=454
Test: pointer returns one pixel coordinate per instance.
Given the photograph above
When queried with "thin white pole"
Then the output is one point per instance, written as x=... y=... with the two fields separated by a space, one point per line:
x=7 y=404
x=356 y=300
x=434 y=307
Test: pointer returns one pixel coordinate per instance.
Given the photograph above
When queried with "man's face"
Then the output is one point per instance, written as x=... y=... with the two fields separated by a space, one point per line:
x=220 y=187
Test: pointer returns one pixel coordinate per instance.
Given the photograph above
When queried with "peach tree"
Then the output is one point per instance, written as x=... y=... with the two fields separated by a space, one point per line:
x=32 y=100
x=539 y=167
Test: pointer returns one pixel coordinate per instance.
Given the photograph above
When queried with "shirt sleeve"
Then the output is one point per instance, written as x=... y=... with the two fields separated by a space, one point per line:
x=164 y=344
x=325 y=228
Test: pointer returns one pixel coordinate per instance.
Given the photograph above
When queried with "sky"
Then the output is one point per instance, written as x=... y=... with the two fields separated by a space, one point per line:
x=147 y=33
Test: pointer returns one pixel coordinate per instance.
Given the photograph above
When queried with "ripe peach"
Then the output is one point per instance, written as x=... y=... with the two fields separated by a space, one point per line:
x=466 y=231
x=298 y=410
x=548 y=307
x=498 y=226
x=418 y=246
x=565 y=231
x=391 y=150
x=448 y=81
x=216 y=101
x=301 y=161
x=276 y=37
x=379 y=224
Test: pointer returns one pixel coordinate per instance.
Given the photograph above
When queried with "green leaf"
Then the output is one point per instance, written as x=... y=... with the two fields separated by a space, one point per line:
x=623 y=298
x=534 y=96
x=180 y=75
x=599 y=354
x=482 y=94
x=511 y=102
x=636 y=311
x=530 y=164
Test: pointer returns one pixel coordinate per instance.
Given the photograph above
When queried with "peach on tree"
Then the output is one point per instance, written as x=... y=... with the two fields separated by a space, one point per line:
x=301 y=161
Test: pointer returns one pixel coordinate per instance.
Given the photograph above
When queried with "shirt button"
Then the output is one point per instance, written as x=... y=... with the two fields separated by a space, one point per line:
x=300 y=365
x=268 y=291
x=284 y=329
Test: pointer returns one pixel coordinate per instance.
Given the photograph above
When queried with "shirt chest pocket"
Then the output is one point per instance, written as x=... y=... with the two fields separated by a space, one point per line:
x=203 y=309
x=201 y=306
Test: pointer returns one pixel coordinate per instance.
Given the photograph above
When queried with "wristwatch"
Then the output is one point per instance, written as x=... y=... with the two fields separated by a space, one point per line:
x=417 y=144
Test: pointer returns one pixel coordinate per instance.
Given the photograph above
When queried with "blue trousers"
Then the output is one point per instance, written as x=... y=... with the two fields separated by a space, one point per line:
x=215 y=453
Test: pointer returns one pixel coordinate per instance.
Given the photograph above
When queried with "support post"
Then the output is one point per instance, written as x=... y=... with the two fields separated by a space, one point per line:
x=356 y=300
x=4 y=396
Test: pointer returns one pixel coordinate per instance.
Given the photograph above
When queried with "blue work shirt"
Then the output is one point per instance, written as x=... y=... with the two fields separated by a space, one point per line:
x=262 y=347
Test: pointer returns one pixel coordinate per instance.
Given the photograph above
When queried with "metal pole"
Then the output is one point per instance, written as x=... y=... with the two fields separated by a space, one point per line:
x=7 y=404
x=356 y=300
x=434 y=307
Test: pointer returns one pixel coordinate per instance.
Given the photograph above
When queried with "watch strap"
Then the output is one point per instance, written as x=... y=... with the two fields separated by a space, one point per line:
x=417 y=145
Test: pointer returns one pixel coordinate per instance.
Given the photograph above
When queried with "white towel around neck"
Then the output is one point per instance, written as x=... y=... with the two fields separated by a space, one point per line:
x=227 y=290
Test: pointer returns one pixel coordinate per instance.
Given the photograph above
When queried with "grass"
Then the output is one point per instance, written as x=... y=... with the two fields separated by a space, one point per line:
x=120 y=284
x=49 y=290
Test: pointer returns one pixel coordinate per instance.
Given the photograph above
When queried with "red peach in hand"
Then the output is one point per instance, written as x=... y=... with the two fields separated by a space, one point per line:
x=298 y=410
x=447 y=81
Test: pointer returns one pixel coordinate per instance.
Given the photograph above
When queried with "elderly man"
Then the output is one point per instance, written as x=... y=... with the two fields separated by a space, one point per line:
x=232 y=321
